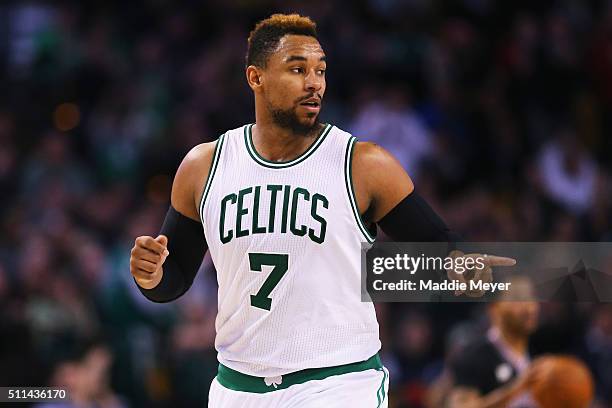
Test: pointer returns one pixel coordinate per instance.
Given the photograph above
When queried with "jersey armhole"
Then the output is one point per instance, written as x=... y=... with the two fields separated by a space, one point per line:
x=348 y=176
x=211 y=174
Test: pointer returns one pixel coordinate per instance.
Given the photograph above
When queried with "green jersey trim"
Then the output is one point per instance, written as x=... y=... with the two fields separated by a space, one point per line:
x=237 y=381
x=248 y=139
x=351 y=192
x=381 y=394
x=211 y=174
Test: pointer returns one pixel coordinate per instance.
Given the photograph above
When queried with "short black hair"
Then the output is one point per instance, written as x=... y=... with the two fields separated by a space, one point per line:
x=266 y=35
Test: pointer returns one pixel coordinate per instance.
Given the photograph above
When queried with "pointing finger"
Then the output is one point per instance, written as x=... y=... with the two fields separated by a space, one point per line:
x=493 y=260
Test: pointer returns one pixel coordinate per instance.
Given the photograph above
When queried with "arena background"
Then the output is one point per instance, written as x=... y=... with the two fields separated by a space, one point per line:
x=500 y=113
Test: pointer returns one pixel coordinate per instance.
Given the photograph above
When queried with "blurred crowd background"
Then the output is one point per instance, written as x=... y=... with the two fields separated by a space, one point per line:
x=501 y=113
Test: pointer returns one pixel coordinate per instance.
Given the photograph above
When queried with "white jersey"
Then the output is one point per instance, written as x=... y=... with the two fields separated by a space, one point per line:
x=285 y=239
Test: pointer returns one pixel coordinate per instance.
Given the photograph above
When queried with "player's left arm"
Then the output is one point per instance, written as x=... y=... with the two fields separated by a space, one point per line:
x=386 y=196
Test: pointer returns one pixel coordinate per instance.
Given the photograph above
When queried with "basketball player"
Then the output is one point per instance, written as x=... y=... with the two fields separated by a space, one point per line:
x=496 y=371
x=284 y=205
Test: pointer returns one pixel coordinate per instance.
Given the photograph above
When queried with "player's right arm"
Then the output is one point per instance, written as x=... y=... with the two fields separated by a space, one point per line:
x=164 y=267
x=466 y=397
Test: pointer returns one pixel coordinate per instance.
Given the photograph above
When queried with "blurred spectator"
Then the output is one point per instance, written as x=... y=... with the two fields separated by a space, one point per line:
x=390 y=122
x=569 y=174
x=85 y=378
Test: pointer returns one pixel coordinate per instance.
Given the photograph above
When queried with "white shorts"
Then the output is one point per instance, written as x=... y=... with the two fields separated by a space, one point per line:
x=361 y=389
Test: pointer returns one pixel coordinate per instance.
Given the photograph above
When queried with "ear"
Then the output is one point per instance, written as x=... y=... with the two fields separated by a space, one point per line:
x=254 y=77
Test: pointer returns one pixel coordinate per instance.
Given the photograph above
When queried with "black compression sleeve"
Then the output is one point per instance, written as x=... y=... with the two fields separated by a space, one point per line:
x=187 y=246
x=413 y=220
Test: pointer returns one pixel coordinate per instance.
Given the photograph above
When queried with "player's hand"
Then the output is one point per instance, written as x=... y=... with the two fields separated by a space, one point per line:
x=463 y=397
x=146 y=260
x=484 y=274
x=536 y=372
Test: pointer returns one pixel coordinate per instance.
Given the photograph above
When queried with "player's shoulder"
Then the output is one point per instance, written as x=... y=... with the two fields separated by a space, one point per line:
x=366 y=153
x=480 y=352
x=187 y=180
x=196 y=162
x=202 y=155
x=374 y=160
x=371 y=152
x=200 y=152
x=474 y=366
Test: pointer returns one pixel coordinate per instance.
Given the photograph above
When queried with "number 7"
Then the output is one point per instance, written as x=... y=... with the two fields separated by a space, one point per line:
x=280 y=262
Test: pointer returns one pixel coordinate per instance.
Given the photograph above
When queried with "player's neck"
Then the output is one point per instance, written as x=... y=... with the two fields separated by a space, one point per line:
x=278 y=144
x=518 y=343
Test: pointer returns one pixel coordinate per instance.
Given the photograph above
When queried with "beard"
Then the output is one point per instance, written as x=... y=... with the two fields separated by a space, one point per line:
x=518 y=325
x=288 y=119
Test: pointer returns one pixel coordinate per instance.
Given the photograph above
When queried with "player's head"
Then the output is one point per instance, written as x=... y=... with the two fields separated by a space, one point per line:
x=285 y=68
x=516 y=312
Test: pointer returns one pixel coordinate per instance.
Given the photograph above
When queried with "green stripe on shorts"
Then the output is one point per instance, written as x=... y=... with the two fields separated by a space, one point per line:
x=381 y=394
x=238 y=381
